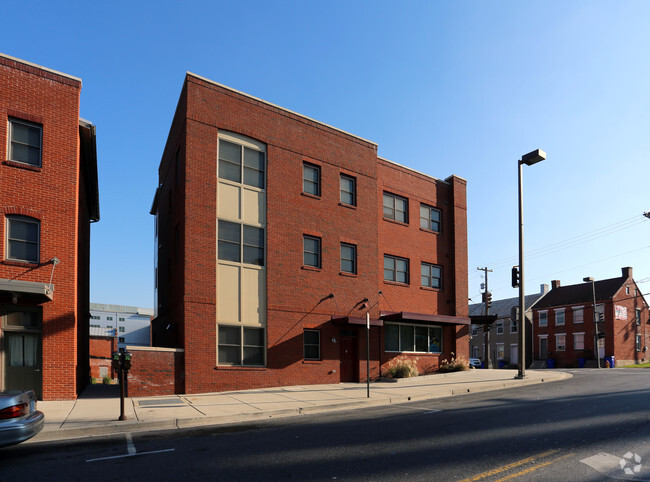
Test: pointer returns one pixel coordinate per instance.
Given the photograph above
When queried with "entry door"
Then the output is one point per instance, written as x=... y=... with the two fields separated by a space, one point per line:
x=543 y=348
x=22 y=362
x=514 y=354
x=349 y=359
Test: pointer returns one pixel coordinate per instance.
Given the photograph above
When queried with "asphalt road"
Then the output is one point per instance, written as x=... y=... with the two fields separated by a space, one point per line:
x=590 y=427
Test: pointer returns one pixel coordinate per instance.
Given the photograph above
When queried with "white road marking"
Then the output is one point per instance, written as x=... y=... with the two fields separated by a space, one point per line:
x=129 y=455
x=603 y=462
x=130 y=448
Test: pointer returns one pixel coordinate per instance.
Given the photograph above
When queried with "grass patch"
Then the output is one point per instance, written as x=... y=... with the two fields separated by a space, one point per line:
x=639 y=365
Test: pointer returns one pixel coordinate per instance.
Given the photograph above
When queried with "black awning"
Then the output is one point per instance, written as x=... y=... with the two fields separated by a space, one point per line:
x=350 y=320
x=424 y=318
x=483 y=319
x=40 y=291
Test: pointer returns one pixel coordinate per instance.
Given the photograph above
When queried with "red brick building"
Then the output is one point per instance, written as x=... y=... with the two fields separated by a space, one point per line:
x=564 y=329
x=48 y=198
x=276 y=234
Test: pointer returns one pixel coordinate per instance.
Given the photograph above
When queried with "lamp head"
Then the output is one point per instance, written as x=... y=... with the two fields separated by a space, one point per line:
x=588 y=279
x=533 y=157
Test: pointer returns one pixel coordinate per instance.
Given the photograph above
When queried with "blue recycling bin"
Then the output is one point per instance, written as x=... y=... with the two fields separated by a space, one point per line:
x=581 y=362
x=611 y=360
x=502 y=363
x=550 y=363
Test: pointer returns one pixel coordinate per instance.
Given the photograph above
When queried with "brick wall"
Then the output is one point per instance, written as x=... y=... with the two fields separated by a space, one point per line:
x=155 y=371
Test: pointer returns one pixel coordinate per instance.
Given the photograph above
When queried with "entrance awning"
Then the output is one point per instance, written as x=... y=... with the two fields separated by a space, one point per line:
x=483 y=319
x=40 y=291
x=425 y=318
x=349 y=320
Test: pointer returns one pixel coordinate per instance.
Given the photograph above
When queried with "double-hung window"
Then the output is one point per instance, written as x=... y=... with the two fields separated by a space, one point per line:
x=396 y=208
x=311 y=251
x=396 y=269
x=311 y=339
x=348 y=190
x=429 y=218
x=543 y=318
x=311 y=179
x=240 y=345
x=559 y=317
x=25 y=142
x=578 y=341
x=348 y=258
x=239 y=163
x=560 y=342
x=431 y=275
x=578 y=315
x=23 y=239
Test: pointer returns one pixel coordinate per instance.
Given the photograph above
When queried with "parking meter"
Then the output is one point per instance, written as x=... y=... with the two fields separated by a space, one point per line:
x=126 y=361
x=121 y=362
x=115 y=361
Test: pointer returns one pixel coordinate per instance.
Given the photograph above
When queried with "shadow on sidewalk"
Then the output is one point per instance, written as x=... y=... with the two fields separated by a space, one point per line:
x=100 y=390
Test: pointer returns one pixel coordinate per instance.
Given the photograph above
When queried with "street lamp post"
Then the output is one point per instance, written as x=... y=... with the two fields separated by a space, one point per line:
x=591 y=280
x=529 y=159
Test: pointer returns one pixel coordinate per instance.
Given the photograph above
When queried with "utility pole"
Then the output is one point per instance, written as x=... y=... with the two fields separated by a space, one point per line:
x=486 y=327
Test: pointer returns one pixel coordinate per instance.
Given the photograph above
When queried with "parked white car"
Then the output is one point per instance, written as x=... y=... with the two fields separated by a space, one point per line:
x=19 y=419
x=474 y=363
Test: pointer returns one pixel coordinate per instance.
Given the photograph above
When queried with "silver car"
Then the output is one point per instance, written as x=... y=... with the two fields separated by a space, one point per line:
x=475 y=363
x=19 y=419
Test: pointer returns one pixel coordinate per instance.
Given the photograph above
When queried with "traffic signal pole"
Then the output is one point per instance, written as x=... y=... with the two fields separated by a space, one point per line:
x=487 y=299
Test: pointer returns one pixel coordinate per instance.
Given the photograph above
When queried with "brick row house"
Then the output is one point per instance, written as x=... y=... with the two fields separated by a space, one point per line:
x=48 y=199
x=564 y=328
x=276 y=234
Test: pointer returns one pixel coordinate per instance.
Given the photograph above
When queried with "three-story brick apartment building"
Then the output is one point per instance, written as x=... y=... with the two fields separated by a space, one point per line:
x=277 y=234
x=49 y=196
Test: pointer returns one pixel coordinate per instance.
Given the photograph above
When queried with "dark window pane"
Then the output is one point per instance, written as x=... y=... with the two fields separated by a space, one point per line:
x=253 y=337
x=253 y=159
x=229 y=161
x=407 y=339
x=421 y=338
x=435 y=340
x=229 y=355
x=312 y=352
x=229 y=335
x=312 y=337
x=253 y=236
x=229 y=171
x=253 y=356
x=311 y=253
x=391 y=333
x=311 y=180
x=253 y=177
x=254 y=255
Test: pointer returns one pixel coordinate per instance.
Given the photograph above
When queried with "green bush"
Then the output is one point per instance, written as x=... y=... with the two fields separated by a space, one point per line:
x=107 y=380
x=403 y=369
x=458 y=364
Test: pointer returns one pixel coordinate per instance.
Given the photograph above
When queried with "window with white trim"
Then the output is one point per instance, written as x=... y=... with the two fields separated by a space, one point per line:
x=23 y=238
x=501 y=351
x=639 y=343
x=578 y=341
x=500 y=327
x=348 y=258
x=578 y=315
x=543 y=318
x=637 y=316
x=240 y=243
x=560 y=342
x=559 y=317
x=396 y=208
x=25 y=143
x=241 y=164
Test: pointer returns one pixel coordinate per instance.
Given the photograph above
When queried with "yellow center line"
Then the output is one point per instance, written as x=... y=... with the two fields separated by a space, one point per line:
x=498 y=470
x=534 y=468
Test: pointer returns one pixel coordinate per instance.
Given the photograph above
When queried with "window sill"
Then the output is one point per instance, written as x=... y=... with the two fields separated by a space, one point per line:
x=349 y=206
x=312 y=362
x=428 y=288
x=311 y=268
x=22 y=264
x=240 y=368
x=399 y=223
x=395 y=283
x=313 y=196
x=22 y=165
x=430 y=231
x=349 y=275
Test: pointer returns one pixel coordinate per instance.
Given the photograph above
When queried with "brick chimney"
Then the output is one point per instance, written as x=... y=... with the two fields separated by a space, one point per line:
x=627 y=272
x=555 y=284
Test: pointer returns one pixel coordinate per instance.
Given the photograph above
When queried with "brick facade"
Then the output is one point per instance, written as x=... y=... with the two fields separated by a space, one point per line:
x=60 y=195
x=296 y=297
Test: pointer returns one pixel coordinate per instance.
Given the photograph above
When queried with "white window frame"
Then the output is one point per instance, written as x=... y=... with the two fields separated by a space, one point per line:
x=343 y=189
x=425 y=218
x=559 y=347
x=561 y=311
x=500 y=327
x=575 y=340
x=539 y=320
x=580 y=309
x=308 y=184
x=393 y=211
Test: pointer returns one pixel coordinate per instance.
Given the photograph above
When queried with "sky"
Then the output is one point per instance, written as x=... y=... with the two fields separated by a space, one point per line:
x=444 y=87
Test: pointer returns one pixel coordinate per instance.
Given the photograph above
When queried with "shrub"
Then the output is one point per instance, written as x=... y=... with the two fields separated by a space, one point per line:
x=458 y=364
x=403 y=369
x=107 y=380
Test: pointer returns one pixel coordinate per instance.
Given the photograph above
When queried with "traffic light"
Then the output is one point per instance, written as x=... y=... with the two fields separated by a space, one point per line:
x=515 y=276
x=487 y=298
x=601 y=335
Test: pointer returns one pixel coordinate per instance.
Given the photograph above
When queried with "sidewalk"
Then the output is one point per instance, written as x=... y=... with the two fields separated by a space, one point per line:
x=97 y=409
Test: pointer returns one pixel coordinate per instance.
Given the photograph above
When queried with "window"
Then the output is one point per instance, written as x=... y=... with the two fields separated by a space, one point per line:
x=237 y=162
x=501 y=352
x=637 y=316
x=412 y=338
x=543 y=318
x=94 y=317
x=578 y=341
x=121 y=329
x=513 y=326
x=500 y=327
x=431 y=275
x=396 y=269
x=120 y=319
x=474 y=331
x=395 y=208
x=348 y=258
x=311 y=252
x=109 y=318
x=233 y=352
x=560 y=342
x=121 y=339
x=559 y=317
x=429 y=218
x=627 y=290
x=231 y=247
x=23 y=239
x=25 y=145
x=312 y=344
x=578 y=315
x=348 y=190
x=311 y=179
x=639 y=343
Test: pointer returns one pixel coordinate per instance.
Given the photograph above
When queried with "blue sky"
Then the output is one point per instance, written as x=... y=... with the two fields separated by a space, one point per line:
x=463 y=87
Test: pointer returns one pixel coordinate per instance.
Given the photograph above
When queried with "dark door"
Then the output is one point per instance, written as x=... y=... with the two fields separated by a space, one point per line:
x=23 y=362
x=349 y=358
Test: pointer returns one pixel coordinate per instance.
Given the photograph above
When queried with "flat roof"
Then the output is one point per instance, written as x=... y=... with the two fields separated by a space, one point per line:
x=31 y=64
x=279 y=107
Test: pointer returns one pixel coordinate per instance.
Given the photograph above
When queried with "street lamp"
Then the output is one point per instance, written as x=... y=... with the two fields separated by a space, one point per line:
x=589 y=279
x=529 y=159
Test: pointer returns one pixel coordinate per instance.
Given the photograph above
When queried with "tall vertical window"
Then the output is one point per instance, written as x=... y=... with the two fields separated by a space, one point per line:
x=231 y=247
x=348 y=258
x=431 y=275
x=348 y=190
x=559 y=318
x=395 y=208
x=237 y=163
x=578 y=315
x=578 y=341
x=637 y=317
x=639 y=343
x=560 y=342
x=311 y=340
x=311 y=251
x=396 y=269
x=429 y=218
x=543 y=318
x=23 y=239
x=25 y=142
x=311 y=179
